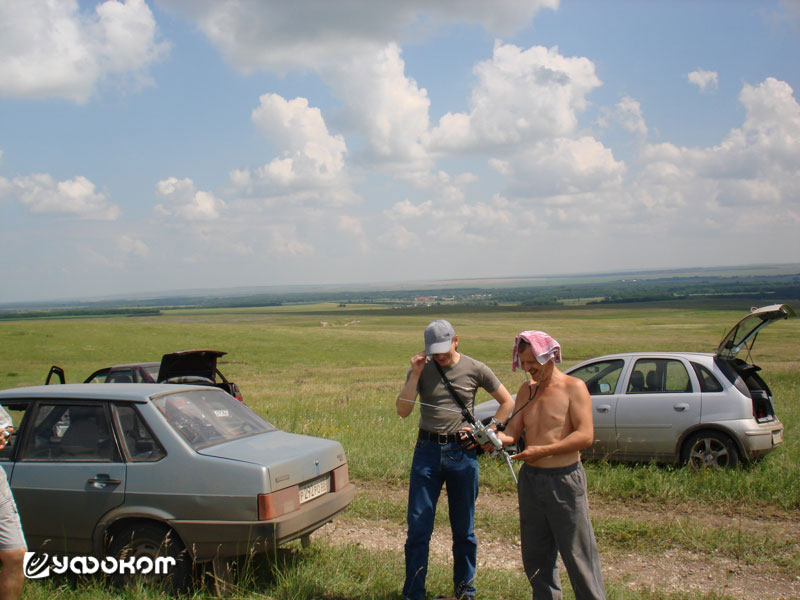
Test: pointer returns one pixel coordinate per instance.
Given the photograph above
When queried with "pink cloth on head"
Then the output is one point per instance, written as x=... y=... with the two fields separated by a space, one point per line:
x=543 y=346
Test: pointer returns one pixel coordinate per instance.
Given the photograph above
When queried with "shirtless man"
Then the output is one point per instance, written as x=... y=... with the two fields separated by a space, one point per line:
x=554 y=411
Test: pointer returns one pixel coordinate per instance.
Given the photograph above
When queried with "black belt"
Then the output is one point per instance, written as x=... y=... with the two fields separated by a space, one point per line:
x=439 y=438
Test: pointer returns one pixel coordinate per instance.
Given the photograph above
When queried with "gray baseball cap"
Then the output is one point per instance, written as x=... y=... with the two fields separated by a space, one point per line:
x=438 y=337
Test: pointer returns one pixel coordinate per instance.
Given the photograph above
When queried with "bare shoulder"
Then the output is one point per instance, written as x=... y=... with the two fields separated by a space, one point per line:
x=575 y=386
x=524 y=391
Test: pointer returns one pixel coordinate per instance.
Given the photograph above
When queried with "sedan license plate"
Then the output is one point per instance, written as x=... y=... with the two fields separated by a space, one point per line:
x=777 y=437
x=313 y=489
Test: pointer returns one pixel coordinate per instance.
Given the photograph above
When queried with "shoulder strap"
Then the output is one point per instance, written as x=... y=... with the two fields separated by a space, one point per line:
x=467 y=415
x=531 y=398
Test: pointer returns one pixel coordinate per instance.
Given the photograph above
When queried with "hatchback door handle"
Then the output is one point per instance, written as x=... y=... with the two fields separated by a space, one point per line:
x=102 y=480
x=603 y=408
x=680 y=407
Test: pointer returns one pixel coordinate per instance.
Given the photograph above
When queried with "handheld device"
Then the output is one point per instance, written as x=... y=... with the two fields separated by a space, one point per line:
x=478 y=433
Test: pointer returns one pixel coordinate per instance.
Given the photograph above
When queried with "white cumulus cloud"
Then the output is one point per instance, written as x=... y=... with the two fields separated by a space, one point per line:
x=750 y=176
x=628 y=114
x=284 y=241
x=520 y=95
x=130 y=246
x=707 y=81
x=182 y=200
x=50 y=49
x=309 y=155
x=281 y=36
x=385 y=105
x=77 y=197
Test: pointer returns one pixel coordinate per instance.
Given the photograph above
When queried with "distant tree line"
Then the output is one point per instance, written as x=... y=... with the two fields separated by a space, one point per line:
x=675 y=289
x=79 y=312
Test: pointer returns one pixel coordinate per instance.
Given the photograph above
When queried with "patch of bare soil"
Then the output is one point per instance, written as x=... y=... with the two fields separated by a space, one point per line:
x=669 y=570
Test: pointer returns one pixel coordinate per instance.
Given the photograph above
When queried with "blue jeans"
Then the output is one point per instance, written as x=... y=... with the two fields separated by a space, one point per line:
x=435 y=464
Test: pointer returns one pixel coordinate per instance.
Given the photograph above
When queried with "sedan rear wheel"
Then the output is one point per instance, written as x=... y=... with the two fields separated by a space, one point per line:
x=710 y=450
x=150 y=541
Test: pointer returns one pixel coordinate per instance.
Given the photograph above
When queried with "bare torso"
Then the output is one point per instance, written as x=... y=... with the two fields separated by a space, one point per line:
x=548 y=420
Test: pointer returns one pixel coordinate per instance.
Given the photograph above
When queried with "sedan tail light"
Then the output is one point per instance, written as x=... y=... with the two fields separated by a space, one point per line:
x=276 y=504
x=341 y=478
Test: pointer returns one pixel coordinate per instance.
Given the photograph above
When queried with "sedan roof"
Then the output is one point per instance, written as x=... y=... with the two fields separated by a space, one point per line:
x=132 y=392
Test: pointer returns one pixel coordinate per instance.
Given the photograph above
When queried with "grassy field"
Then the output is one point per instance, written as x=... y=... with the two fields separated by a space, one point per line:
x=335 y=372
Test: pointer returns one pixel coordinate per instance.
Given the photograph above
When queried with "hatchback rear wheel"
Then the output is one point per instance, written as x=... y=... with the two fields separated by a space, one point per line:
x=710 y=450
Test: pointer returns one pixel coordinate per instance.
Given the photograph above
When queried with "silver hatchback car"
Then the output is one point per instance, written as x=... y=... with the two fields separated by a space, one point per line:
x=147 y=470
x=705 y=410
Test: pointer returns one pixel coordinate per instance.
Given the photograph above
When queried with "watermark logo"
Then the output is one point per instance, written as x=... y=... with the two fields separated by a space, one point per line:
x=38 y=565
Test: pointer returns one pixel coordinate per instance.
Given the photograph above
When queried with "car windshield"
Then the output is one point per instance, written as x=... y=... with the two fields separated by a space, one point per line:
x=207 y=416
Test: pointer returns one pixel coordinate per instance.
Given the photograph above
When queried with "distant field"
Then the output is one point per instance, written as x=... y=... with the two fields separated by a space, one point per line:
x=330 y=371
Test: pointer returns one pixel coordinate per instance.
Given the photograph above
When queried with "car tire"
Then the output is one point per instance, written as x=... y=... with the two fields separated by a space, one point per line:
x=710 y=449
x=152 y=540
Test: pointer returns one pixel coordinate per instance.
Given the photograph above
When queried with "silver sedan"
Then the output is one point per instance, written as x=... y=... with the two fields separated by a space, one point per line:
x=143 y=470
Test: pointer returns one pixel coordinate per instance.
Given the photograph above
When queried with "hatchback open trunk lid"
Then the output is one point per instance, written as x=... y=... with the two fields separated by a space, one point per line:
x=747 y=328
x=200 y=363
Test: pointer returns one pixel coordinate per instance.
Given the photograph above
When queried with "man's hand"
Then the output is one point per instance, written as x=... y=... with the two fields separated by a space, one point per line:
x=466 y=437
x=531 y=454
x=418 y=362
x=6 y=433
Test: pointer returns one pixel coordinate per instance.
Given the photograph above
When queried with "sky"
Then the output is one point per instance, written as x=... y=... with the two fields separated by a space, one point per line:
x=163 y=145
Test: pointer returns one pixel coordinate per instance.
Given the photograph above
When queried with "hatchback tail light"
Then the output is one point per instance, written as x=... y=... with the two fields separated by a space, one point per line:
x=276 y=504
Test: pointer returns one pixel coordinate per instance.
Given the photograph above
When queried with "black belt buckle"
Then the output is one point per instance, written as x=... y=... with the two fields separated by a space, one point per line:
x=442 y=438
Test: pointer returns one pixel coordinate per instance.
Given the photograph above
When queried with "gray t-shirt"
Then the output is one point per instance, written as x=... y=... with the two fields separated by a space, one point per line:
x=466 y=376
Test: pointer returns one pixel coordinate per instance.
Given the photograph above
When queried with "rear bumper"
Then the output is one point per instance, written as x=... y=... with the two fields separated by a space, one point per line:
x=221 y=539
x=754 y=439
x=764 y=440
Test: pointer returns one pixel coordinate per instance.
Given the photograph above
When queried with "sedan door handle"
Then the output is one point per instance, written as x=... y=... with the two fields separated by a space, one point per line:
x=102 y=480
x=680 y=407
x=604 y=408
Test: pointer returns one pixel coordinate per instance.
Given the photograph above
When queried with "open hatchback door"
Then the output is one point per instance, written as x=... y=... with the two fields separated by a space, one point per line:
x=746 y=330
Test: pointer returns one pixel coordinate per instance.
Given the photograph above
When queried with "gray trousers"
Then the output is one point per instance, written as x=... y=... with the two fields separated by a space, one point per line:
x=554 y=518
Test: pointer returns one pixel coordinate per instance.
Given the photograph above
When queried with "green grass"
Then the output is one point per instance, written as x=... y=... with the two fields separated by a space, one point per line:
x=339 y=573
x=340 y=381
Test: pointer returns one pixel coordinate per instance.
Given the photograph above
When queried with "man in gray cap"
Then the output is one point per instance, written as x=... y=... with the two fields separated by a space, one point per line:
x=441 y=456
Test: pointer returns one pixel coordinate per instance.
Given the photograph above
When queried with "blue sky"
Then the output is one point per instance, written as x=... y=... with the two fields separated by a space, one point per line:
x=161 y=145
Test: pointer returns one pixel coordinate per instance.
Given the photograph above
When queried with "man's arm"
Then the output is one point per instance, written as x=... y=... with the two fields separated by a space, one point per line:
x=404 y=403
x=506 y=403
x=582 y=436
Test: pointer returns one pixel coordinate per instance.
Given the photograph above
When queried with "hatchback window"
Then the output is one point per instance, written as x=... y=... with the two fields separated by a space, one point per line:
x=98 y=376
x=659 y=375
x=708 y=383
x=208 y=416
x=600 y=377
x=141 y=445
x=121 y=376
x=66 y=432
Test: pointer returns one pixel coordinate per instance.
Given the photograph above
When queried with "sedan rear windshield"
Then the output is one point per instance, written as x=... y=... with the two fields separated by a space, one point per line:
x=207 y=417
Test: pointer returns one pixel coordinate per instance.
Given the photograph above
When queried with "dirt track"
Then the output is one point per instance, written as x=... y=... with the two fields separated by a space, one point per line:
x=673 y=570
